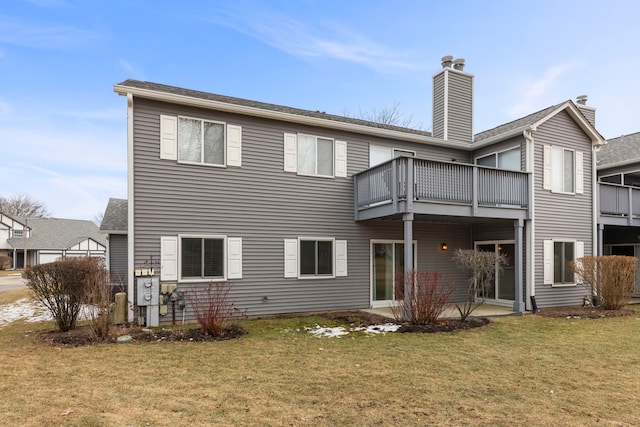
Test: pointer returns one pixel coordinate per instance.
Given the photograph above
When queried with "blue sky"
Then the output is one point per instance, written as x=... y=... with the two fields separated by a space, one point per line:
x=63 y=129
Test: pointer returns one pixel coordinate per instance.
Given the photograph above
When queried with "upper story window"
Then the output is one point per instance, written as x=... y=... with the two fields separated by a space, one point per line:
x=17 y=233
x=563 y=170
x=201 y=141
x=315 y=155
x=508 y=159
x=378 y=154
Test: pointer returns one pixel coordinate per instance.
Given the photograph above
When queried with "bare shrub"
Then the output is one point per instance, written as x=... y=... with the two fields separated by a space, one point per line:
x=212 y=307
x=97 y=296
x=611 y=279
x=5 y=262
x=481 y=266
x=430 y=293
x=61 y=287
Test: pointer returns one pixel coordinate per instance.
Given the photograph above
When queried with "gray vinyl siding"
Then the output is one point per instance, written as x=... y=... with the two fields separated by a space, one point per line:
x=561 y=216
x=264 y=205
x=460 y=117
x=457 y=90
x=118 y=258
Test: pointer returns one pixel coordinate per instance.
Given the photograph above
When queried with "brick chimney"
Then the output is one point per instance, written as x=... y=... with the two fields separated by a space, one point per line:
x=589 y=112
x=453 y=101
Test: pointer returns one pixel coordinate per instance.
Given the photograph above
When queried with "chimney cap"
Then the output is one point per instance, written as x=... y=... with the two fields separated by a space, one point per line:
x=447 y=61
x=458 y=64
x=582 y=99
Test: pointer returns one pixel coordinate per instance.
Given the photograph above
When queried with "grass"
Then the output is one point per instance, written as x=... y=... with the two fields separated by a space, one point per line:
x=518 y=370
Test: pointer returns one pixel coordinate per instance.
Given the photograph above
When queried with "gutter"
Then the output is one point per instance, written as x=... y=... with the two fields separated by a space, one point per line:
x=130 y=204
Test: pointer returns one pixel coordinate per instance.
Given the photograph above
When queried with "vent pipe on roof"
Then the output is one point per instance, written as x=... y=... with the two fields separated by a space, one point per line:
x=447 y=61
x=458 y=64
x=582 y=99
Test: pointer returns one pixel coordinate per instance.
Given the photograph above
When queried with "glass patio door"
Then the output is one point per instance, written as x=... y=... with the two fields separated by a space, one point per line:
x=503 y=288
x=387 y=266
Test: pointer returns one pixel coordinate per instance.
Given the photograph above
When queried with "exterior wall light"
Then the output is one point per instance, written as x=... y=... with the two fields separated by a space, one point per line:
x=444 y=246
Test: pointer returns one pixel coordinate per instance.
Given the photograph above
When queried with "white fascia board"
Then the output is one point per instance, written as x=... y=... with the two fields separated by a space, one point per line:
x=619 y=164
x=288 y=117
x=574 y=112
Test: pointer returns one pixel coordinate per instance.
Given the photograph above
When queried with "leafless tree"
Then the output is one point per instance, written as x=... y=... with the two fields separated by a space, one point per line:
x=389 y=115
x=97 y=218
x=23 y=205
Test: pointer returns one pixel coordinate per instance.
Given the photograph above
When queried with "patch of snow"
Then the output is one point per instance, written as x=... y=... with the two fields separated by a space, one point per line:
x=33 y=311
x=339 y=331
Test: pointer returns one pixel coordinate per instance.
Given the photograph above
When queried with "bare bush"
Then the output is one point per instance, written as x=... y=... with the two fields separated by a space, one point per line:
x=482 y=267
x=611 y=279
x=212 y=307
x=5 y=262
x=430 y=293
x=97 y=296
x=61 y=286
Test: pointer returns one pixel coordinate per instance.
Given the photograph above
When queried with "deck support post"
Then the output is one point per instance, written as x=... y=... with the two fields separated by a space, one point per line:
x=408 y=264
x=518 y=304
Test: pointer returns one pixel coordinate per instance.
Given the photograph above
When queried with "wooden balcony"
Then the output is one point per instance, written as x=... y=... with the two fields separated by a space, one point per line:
x=421 y=186
x=618 y=204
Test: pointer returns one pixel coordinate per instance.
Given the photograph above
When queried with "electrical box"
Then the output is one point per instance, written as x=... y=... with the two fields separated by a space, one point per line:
x=167 y=288
x=148 y=290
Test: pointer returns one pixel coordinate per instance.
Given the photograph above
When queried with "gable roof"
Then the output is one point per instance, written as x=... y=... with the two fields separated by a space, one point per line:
x=115 y=217
x=532 y=121
x=57 y=233
x=175 y=94
x=620 y=151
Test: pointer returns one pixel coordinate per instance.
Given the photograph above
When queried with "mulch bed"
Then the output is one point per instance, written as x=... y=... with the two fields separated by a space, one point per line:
x=579 y=312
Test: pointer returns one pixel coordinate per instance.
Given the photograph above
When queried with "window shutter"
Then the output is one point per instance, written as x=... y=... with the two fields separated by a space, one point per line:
x=341 y=159
x=341 y=258
x=546 y=165
x=234 y=145
x=169 y=258
x=579 y=254
x=290 y=257
x=234 y=258
x=548 y=262
x=579 y=172
x=168 y=137
x=290 y=152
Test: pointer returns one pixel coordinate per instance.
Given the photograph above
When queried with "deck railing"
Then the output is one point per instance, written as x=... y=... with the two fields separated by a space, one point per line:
x=441 y=182
x=619 y=200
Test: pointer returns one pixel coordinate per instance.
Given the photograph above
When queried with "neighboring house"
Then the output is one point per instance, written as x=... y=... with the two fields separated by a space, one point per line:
x=619 y=197
x=302 y=211
x=47 y=239
x=114 y=225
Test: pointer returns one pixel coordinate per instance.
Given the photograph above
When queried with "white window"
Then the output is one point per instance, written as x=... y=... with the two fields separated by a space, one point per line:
x=559 y=257
x=315 y=257
x=196 y=258
x=314 y=155
x=563 y=170
x=378 y=154
x=17 y=233
x=198 y=141
x=509 y=159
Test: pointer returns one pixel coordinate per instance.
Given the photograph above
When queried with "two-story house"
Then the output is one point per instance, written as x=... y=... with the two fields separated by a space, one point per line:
x=303 y=211
x=619 y=198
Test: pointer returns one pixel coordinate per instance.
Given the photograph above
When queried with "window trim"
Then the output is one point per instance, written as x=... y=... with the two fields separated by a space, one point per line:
x=496 y=153
x=206 y=278
x=333 y=258
x=202 y=163
x=575 y=184
x=553 y=258
x=333 y=156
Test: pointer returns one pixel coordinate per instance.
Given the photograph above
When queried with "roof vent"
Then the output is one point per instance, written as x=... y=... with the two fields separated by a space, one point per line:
x=458 y=64
x=582 y=99
x=447 y=61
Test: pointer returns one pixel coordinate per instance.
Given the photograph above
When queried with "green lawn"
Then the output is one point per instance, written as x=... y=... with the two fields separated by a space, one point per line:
x=517 y=371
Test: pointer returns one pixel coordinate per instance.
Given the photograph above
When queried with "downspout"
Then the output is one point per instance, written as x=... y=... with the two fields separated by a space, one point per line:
x=530 y=233
x=130 y=201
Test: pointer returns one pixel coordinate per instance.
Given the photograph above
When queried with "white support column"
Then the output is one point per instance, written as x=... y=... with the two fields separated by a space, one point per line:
x=600 y=240
x=408 y=263
x=518 y=304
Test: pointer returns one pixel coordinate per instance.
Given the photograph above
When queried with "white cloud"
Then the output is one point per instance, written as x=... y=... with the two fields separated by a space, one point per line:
x=536 y=93
x=131 y=70
x=304 y=40
x=42 y=35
